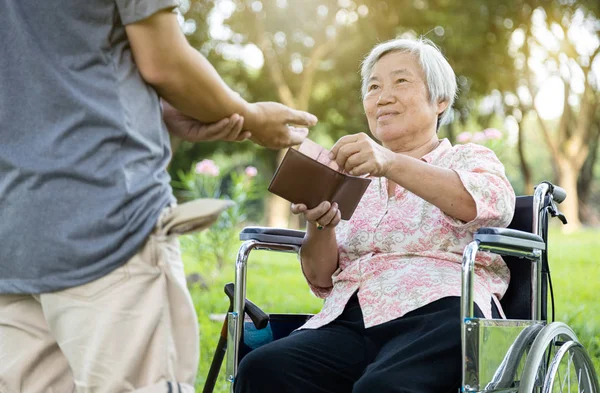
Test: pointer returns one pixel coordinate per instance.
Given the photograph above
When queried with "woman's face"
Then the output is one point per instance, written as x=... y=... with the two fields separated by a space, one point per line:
x=397 y=102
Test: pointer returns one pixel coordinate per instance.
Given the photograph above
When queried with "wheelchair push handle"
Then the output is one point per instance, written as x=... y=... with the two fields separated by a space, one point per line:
x=258 y=316
x=558 y=193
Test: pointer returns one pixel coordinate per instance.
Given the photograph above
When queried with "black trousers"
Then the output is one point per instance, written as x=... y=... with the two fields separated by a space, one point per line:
x=417 y=353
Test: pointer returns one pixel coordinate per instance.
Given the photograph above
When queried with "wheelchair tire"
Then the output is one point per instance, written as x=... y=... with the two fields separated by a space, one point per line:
x=550 y=339
x=580 y=375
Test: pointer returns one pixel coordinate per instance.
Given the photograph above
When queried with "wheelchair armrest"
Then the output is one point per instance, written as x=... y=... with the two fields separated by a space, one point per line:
x=273 y=235
x=509 y=238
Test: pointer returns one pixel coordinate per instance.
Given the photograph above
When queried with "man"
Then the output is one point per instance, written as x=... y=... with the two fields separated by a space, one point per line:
x=92 y=291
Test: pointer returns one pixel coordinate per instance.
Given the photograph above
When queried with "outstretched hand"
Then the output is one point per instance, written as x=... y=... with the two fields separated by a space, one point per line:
x=277 y=126
x=192 y=130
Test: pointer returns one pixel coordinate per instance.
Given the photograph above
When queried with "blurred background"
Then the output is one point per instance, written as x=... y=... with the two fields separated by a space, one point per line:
x=529 y=88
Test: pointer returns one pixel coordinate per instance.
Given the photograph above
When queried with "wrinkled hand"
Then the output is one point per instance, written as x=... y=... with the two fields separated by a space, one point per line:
x=274 y=125
x=192 y=130
x=360 y=155
x=325 y=215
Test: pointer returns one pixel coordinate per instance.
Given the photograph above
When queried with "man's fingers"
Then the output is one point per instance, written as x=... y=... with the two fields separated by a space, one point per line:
x=243 y=136
x=208 y=131
x=236 y=129
x=301 y=118
x=297 y=135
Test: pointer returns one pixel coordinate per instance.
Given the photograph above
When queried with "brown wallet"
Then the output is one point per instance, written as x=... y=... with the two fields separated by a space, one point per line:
x=300 y=179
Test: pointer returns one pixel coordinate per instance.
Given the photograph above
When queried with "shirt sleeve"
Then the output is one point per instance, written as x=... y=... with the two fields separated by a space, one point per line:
x=482 y=174
x=132 y=11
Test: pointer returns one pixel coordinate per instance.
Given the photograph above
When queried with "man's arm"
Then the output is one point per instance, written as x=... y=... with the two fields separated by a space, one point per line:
x=184 y=78
x=189 y=129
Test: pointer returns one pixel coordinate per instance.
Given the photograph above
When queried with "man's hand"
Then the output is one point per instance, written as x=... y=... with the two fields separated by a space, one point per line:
x=192 y=130
x=273 y=125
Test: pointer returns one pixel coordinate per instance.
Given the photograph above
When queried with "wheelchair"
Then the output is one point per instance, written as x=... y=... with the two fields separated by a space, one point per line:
x=525 y=353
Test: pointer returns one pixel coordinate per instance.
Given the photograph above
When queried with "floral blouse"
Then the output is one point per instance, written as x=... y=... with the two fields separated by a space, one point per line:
x=402 y=253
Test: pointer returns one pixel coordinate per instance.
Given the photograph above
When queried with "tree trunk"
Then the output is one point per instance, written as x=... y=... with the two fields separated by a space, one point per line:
x=278 y=209
x=586 y=176
x=568 y=181
x=589 y=215
x=525 y=170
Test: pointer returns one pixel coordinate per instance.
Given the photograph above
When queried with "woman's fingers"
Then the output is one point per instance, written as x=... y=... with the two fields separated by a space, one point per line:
x=328 y=218
x=336 y=220
x=326 y=214
x=298 y=208
x=312 y=215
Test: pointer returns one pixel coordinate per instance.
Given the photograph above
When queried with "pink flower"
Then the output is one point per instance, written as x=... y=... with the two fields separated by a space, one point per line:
x=479 y=137
x=207 y=167
x=251 y=171
x=464 y=137
x=492 y=133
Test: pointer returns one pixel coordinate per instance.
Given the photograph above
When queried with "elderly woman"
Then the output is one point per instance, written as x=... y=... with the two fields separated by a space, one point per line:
x=390 y=276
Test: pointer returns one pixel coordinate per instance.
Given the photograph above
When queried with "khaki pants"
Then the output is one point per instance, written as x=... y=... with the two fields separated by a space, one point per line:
x=133 y=330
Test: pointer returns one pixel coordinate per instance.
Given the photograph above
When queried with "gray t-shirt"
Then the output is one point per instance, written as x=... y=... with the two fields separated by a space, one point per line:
x=83 y=148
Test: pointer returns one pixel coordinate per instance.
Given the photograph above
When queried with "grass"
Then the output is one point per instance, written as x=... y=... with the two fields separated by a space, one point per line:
x=276 y=284
x=575 y=269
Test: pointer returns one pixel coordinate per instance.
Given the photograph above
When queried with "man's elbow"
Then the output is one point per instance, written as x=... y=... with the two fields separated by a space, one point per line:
x=159 y=75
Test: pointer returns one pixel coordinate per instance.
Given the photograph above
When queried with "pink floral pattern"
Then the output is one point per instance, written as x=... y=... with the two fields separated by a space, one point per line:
x=402 y=252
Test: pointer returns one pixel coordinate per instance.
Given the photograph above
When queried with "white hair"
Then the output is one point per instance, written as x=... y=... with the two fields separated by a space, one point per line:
x=439 y=75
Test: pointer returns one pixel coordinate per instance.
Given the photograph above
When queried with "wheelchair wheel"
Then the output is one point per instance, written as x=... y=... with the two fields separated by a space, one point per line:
x=557 y=363
x=571 y=370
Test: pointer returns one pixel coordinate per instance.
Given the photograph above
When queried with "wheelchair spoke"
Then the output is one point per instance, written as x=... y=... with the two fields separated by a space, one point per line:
x=560 y=380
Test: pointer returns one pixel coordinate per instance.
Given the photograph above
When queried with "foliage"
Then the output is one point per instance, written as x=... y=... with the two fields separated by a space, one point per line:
x=311 y=61
x=461 y=28
x=206 y=180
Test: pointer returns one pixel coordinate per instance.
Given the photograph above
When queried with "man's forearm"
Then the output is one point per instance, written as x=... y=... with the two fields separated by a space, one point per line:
x=194 y=87
x=179 y=73
x=185 y=79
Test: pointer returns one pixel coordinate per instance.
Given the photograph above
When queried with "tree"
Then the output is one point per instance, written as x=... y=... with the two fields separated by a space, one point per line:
x=553 y=35
x=312 y=50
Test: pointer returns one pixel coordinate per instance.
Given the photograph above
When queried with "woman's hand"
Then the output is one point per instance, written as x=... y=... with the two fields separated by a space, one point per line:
x=325 y=215
x=192 y=130
x=360 y=155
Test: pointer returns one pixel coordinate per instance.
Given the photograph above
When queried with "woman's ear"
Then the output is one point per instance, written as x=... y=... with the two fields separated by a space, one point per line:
x=441 y=106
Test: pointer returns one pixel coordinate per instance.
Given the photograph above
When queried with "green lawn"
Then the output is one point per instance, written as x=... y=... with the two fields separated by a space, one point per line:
x=275 y=283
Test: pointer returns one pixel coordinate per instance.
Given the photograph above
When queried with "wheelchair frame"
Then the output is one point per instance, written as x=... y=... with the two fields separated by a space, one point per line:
x=508 y=355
